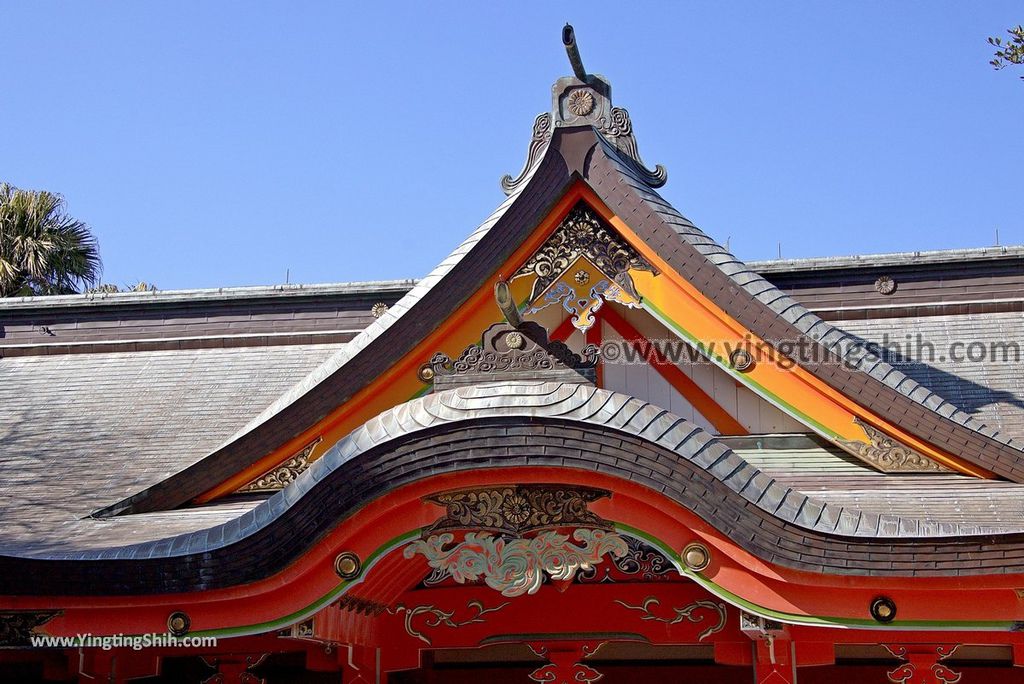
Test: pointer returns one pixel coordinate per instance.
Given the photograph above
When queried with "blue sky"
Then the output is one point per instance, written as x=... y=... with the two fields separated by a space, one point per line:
x=221 y=144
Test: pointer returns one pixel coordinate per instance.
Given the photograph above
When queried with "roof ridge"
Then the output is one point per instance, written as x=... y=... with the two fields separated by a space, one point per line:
x=887 y=258
x=205 y=294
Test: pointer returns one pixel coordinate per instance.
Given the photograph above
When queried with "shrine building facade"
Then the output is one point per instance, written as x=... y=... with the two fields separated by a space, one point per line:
x=591 y=445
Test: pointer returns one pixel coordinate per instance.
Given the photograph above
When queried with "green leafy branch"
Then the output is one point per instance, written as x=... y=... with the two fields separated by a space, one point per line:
x=1010 y=52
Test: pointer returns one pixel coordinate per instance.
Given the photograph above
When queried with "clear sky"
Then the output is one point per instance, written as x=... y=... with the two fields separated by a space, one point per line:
x=219 y=144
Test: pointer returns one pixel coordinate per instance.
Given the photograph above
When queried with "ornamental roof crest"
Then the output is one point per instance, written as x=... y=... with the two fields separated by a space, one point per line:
x=580 y=100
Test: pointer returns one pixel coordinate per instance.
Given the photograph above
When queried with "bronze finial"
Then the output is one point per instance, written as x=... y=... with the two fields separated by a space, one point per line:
x=571 y=49
x=503 y=296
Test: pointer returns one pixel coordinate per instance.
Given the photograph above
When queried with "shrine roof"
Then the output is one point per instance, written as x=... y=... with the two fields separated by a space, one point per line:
x=106 y=415
x=821 y=518
x=81 y=431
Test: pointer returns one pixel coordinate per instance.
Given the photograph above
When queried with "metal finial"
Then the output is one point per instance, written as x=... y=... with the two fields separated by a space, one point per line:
x=503 y=296
x=571 y=49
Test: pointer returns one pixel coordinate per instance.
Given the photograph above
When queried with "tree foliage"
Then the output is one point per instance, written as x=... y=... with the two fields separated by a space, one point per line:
x=1010 y=52
x=43 y=250
x=108 y=288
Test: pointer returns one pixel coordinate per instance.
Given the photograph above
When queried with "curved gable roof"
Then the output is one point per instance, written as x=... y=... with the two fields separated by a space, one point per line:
x=584 y=154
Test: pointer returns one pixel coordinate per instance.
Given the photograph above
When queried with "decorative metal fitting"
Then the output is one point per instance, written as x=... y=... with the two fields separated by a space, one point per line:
x=303 y=629
x=178 y=623
x=581 y=102
x=347 y=565
x=425 y=373
x=696 y=557
x=883 y=609
x=581 y=277
x=741 y=360
x=885 y=285
x=378 y=309
x=515 y=340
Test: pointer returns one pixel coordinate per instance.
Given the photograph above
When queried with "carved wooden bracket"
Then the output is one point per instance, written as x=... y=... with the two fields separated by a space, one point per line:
x=232 y=669
x=922 y=664
x=565 y=661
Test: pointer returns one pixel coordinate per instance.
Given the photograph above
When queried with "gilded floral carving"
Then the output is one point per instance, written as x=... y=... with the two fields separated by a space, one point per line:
x=517 y=566
x=583 y=234
x=282 y=475
x=431 y=616
x=640 y=563
x=581 y=102
x=17 y=628
x=516 y=509
x=886 y=454
x=504 y=349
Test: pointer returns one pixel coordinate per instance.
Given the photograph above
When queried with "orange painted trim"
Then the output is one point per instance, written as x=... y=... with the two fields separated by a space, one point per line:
x=399 y=383
x=725 y=423
x=799 y=386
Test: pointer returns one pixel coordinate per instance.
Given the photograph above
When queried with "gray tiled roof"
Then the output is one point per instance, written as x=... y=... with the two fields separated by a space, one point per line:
x=937 y=256
x=93 y=299
x=990 y=391
x=82 y=431
x=819 y=505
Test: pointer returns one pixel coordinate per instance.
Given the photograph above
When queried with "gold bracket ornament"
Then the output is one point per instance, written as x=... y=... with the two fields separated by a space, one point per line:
x=583 y=243
x=888 y=455
x=283 y=475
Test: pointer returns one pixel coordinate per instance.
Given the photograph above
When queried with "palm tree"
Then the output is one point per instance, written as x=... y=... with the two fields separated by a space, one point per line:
x=43 y=251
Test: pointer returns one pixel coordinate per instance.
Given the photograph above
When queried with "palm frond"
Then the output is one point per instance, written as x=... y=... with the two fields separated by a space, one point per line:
x=43 y=250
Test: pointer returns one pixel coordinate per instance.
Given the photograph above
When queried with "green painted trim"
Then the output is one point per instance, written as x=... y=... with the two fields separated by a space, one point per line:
x=743 y=378
x=670 y=553
x=315 y=606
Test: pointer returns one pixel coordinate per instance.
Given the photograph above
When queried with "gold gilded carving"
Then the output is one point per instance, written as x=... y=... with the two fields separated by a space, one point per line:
x=517 y=566
x=515 y=509
x=583 y=234
x=886 y=454
x=283 y=475
x=677 y=615
x=433 y=616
